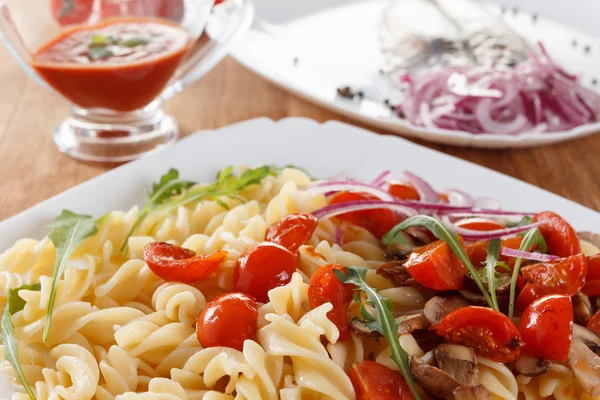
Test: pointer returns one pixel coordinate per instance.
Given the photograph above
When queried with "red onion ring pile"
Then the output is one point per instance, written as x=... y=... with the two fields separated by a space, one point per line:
x=535 y=96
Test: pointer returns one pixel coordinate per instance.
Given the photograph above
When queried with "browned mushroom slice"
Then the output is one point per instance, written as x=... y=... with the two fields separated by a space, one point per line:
x=395 y=272
x=582 y=308
x=532 y=366
x=588 y=337
x=593 y=238
x=409 y=323
x=585 y=365
x=398 y=251
x=360 y=328
x=433 y=380
x=471 y=393
x=438 y=307
x=458 y=361
x=406 y=325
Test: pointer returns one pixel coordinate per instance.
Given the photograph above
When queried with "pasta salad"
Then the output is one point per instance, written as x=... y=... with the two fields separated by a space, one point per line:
x=269 y=284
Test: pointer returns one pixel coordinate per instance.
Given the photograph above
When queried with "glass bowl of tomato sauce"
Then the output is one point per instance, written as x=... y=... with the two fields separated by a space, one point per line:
x=116 y=61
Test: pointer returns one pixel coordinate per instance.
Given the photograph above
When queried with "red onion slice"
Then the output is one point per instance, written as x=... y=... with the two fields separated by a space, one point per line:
x=381 y=179
x=472 y=235
x=459 y=198
x=487 y=203
x=361 y=205
x=344 y=186
x=528 y=255
x=425 y=190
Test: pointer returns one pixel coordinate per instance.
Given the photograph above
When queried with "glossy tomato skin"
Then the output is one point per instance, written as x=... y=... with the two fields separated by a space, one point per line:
x=546 y=327
x=592 y=280
x=67 y=12
x=176 y=264
x=478 y=251
x=378 y=222
x=436 y=267
x=560 y=237
x=228 y=320
x=404 y=191
x=528 y=295
x=490 y=333
x=563 y=276
x=374 y=381
x=292 y=231
x=263 y=267
x=325 y=287
x=594 y=323
x=172 y=10
x=480 y=224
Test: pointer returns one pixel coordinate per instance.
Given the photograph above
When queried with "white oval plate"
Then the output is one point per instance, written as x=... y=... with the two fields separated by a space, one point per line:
x=298 y=141
x=335 y=44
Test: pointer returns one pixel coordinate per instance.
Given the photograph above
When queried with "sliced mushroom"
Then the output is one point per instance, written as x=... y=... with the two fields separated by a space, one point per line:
x=395 y=272
x=458 y=361
x=588 y=337
x=595 y=303
x=406 y=324
x=409 y=323
x=360 y=328
x=582 y=308
x=471 y=393
x=438 y=307
x=433 y=380
x=585 y=365
x=593 y=238
x=532 y=366
x=503 y=281
x=398 y=251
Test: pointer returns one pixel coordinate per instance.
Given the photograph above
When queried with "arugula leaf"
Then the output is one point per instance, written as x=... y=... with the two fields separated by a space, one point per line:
x=169 y=185
x=526 y=220
x=15 y=304
x=395 y=235
x=69 y=230
x=134 y=42
x=532 y=238
x=171 y=192
x=384 y=323
x=491 y=262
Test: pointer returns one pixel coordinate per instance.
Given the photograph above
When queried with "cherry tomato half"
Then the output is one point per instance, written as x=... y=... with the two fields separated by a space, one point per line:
x=325 y=287
x=594 y=323
x=292 y=231
x=480 y=224
x=563 y=276
x=478 y=251
x=227 y=320
x=404 y=191
x=546 y=327
x=592 y=280
x=176 y=264
x=528 y=295
x=263 y=267
x=378 y=222
x=67 y=12
x=170 y=9
x=374 y=381
x=436 y=267
x=490 y=333
x=560 y=237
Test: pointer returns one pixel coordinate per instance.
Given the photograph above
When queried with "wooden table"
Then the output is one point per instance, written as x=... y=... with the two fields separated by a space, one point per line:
x=32 y=169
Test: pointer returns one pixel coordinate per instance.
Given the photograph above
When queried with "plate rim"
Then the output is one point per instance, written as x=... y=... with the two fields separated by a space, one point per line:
x=307 y=122
x=242 y=53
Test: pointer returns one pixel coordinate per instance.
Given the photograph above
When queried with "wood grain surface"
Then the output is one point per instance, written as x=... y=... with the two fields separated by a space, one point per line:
x=32 y=169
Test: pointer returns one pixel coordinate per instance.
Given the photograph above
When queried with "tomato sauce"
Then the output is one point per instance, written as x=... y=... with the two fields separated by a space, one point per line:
x=118 y=64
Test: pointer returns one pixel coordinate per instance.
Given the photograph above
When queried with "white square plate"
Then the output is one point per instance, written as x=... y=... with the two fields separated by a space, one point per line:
x=324 y=150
